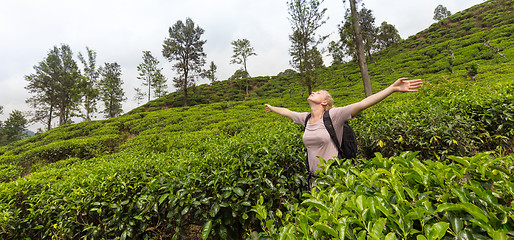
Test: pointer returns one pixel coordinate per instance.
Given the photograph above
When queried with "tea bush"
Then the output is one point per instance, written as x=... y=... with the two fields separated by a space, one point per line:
x=445 y=119
x=154 y=191
x=402 y=198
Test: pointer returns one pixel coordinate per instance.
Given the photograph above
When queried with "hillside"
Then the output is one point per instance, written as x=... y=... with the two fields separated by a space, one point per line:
x=225 y=169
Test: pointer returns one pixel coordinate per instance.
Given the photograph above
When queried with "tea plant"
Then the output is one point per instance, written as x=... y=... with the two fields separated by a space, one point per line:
x=403 y=198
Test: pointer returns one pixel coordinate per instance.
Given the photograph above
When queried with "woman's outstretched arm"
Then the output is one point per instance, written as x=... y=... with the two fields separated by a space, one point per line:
x=282 y=111
x=401 y=85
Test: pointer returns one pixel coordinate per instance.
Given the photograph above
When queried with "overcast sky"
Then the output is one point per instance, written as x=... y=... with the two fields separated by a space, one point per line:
x=119 y=30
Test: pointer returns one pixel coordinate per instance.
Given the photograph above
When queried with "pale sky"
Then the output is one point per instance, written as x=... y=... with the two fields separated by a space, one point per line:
x=119 y=30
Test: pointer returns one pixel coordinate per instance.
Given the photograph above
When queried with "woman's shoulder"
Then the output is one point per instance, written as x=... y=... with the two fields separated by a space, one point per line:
x=341 y=112
x=336 y=110
x=299 y=117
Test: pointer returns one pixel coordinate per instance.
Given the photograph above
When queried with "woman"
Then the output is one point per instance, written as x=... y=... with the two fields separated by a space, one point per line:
x=316 y=138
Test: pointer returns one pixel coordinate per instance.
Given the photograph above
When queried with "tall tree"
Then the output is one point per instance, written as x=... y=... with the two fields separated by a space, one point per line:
x=159 y=84
x=14 y=127
x=185 y=46
x=369 y=31
x=211 y=72
x=43 y=109
x=242 y=50
x=239 y=74
x=306 y=17
x=140 y=95
x=56 y=84
x=151 y=75
x=388 y=35
x=89 y=83
x=360 y=49
x=111 y=90
x=336 y=50
x=375 y=38
x=441 y=12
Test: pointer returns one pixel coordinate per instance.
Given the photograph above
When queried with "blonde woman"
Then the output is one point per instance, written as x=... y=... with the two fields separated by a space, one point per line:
x=316 y=138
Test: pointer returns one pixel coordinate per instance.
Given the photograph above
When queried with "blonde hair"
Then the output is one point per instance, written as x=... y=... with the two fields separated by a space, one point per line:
x=330 y=101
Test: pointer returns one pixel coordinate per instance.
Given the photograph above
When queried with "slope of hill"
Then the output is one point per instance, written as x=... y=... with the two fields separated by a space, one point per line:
x=226 y=169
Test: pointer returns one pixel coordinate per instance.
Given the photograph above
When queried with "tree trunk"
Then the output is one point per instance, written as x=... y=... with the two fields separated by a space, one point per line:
x=62 y=115
x=246 y=71
x=149 y=89
x=49 y=126
x=88 y=108
x=185 y=92
x=360 y=50
x=185 y=96
x=186 y=71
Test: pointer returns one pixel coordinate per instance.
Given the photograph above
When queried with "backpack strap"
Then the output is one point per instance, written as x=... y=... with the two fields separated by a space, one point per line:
x=307 y=155
x=330 y=128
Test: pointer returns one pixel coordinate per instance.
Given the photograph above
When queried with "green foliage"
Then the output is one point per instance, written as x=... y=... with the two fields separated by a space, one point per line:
x=224 y=169
x=165 y=182
x=111 y=91
x=185 y=47
x=56 y=84
x=151 y=75
x=403 y=198
x=450 y=118
x=306 y=17
x=13 y=128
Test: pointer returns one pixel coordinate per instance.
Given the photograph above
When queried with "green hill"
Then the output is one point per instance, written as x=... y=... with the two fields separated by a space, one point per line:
x=433 y=164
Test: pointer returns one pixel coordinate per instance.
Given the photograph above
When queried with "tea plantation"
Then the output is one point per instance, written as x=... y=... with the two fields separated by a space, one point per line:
x=436 y=164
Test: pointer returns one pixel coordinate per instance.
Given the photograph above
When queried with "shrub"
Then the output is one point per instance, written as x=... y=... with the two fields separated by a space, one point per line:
x=402 y=198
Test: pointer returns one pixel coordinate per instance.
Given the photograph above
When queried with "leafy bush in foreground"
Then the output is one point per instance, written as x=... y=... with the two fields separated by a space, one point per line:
x=402 y=198
x=159 y=188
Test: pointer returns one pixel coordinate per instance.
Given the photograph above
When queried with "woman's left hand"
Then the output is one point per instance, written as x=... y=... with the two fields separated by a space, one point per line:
x=405 y=85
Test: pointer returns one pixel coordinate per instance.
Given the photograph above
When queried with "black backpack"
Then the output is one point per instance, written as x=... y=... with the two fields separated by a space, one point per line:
x=348 y=147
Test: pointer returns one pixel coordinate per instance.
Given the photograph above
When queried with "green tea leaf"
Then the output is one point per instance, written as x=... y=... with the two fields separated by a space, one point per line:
x=206 y=230
x=325 y=228
x=456 y=222
x=38 y=227
x=390 y=236
x=378 y=227
x=421 y=237
x=360 y=202
x=315 y=203
x=163 y=197
x=499 y=235
x=214 y=209
x=438 y=230
x=239 y=191
x=448 y=207
x=475 y=211
x=482 y=224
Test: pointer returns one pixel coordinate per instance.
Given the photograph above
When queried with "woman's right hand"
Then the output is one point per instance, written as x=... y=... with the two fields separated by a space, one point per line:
x=282 y=111
x=267 y=107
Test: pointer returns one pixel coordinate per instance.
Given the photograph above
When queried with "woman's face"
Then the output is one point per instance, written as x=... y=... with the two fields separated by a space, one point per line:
x=318 y=97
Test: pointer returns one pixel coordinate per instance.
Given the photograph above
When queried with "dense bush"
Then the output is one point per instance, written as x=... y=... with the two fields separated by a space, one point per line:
x=401 y=198
x=448 y=118
x=161 y=188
